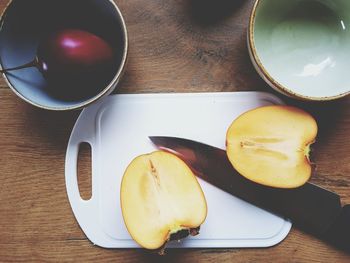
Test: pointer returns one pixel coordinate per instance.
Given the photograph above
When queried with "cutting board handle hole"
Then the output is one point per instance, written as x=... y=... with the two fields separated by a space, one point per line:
x=84 y=171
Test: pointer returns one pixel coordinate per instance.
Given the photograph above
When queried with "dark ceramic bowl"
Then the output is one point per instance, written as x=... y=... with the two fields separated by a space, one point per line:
x=25 y=22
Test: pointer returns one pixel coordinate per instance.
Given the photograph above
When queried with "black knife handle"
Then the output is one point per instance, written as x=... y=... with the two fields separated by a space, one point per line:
x=339 y=233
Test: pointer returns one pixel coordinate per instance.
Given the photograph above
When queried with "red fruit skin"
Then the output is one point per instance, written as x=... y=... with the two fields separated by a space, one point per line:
x=73 y=51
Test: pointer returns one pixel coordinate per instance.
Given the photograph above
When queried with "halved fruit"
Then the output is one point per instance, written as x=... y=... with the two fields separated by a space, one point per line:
x=270 y=145
x=161 y=199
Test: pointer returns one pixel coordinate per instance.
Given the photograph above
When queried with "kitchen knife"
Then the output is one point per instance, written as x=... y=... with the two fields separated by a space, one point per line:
x=311 y=208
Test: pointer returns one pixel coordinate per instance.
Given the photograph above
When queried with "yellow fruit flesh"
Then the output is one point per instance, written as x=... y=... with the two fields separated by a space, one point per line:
x=270 y=145
x=159 y=197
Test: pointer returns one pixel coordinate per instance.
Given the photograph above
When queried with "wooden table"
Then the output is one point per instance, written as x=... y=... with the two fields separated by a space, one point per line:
x=175 y=46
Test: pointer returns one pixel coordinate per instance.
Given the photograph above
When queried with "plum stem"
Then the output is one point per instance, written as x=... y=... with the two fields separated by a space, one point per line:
x=33 y=63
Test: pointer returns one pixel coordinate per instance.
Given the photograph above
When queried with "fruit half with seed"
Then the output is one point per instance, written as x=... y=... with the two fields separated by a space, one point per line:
x=270 y=145
x=161 y=200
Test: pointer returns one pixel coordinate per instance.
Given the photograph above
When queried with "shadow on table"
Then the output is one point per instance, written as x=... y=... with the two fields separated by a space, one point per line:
x=206 y=12
x=328 y=114
x=171 y=255
x=53 y=128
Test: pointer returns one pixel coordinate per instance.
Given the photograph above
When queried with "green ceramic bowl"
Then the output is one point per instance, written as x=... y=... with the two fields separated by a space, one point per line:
x=302 y=47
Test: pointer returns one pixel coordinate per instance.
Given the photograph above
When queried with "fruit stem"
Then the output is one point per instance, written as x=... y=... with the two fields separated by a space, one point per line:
x=33 y=63
x=307 y=151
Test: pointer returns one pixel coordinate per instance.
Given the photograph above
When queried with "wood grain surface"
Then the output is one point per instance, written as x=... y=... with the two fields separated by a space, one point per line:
x=175 y=46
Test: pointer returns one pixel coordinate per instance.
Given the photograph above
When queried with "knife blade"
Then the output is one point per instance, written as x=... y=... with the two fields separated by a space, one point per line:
x=313 y=209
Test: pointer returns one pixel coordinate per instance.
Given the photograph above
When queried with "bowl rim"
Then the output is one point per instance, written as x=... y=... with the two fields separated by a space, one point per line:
x=262 y=70
x=106 y=91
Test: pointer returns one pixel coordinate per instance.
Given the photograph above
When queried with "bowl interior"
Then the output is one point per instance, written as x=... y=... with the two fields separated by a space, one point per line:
x=26 y=22
x=304 y=45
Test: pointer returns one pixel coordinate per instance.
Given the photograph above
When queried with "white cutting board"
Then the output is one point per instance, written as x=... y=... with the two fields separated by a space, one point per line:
x=117 y=128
